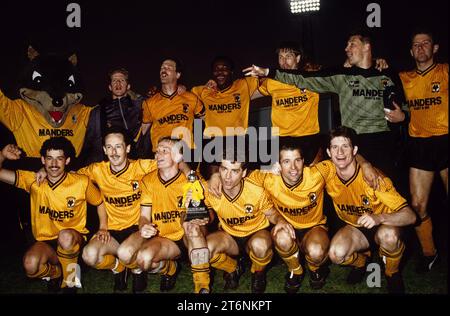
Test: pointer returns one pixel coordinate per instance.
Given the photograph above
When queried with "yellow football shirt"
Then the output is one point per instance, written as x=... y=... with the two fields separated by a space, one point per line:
x=228 y=107
x=242 y=215
x=167 y=112
x=120 y=190
x=165 y=199
x=294 y=111
x=355 y=197
x=60 y=205
x=301 y=204
x=426 y=93
x=31 y=129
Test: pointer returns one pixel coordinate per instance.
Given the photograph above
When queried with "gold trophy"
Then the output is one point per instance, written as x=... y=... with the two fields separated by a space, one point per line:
x=196 y=207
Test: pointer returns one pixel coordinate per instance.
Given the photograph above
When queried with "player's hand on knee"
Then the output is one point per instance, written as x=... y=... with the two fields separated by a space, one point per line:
x=148 y=231
x=369 y=221
x=283 y=225
x=103 y=235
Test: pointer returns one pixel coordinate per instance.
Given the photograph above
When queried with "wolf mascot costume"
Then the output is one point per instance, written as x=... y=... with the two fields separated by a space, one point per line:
x=50 y=91
x=49 y=106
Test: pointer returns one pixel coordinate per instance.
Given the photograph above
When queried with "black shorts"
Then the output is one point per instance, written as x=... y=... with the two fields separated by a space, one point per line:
x=242 y=241
x=430 y=153
x=309 y=145
x=121 y=235
x=300 y=233
x=368 y=233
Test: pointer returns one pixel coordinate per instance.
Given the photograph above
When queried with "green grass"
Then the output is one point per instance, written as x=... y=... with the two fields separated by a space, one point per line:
x=14 y=281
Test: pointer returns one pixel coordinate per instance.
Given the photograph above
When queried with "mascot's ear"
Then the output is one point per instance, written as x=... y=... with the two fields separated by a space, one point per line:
x=73 y=59
x=32 y=53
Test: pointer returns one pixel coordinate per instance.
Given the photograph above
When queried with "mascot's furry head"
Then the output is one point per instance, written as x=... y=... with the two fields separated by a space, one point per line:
x=52 y=85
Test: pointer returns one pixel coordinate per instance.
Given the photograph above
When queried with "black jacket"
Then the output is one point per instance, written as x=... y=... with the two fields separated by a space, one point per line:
x=125 y=112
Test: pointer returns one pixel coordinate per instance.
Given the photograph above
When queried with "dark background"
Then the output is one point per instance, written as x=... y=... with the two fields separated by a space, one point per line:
x=137 y=35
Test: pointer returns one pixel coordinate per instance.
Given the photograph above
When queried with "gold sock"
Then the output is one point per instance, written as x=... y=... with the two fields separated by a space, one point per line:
x=425 y=234
x=68 y=258
x=357 y=260
x=169 y=268
x=132 y=265
x=110 y=262
x=291 y=259
x=259 y=264
x=392 y=259
x=200 y=274
x=47 y=269
x=312 y=266
x=223 y=262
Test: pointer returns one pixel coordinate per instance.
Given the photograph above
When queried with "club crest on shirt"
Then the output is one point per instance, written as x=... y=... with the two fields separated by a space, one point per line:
x=74 y=119
x=385 y=82
x=435 y=87
x=353 y=83
x=237 y=97
x=312 y=197
x=135 y=185
x=185 y=108
x=248 y=208
x=70 y=201
x=365 y=200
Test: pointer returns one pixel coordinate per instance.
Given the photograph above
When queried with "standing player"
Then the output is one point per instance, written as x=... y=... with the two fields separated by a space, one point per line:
x=168 y=110
x=361 y=209
x=361 y=89
x=58 y=213
x=295 y=111
x=228 y=105
x=426 y=91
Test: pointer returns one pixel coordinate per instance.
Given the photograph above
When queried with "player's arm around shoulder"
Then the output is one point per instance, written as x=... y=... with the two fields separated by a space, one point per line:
x=9 y=152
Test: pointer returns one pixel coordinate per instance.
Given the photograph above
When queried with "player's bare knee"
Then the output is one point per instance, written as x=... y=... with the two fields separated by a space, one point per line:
x=144 y=260
x=260 y=247
x=125 y=254
x=316 y=252
x=338 y=253
x=419 y=207
x=90 y=255
x=66 y=239
x=31 y=263
x=283 y=241
x=389 y=237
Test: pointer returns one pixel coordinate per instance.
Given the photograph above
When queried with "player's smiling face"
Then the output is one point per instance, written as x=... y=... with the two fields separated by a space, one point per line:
x=231 y=174
x=291 y=163
x=355 y=50
x=55 y=163
x=116 y=150
x=342 y=152
x=165 y=155
x=222 y=74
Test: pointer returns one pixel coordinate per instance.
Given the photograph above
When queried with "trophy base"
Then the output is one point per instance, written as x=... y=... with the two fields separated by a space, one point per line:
x=196 y=212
